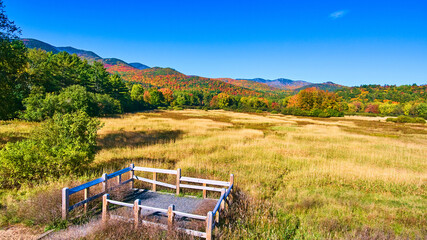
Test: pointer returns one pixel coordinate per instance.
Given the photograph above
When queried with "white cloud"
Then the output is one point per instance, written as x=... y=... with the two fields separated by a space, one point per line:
x=338 y=14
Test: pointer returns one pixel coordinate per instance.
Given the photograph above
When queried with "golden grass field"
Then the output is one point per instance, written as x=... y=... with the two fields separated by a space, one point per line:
x=351 y=177
x=338 y=175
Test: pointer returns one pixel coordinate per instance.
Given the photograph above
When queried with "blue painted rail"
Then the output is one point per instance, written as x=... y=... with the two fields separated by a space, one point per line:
x=224 y=199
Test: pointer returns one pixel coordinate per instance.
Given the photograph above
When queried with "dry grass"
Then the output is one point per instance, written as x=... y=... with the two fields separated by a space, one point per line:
x=335 y=174
x=13 y=131
x=338 y=178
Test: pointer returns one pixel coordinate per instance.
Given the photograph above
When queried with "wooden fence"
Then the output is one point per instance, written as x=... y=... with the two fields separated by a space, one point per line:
x=211 y=219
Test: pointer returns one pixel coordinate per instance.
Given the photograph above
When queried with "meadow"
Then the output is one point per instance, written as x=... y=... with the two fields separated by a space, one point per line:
x=298 y=177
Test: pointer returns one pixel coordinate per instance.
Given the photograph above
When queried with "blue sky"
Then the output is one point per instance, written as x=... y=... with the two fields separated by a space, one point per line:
x=347 y=42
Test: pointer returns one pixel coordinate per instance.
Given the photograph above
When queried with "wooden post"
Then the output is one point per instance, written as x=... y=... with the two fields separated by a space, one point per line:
x=86 y=193
x=223 y=199
x=105 y=215
x=171 y=208
x=65 y=203
x=178 y=177
x=136 y=212
x=119 y=179
x=104 y=183
x=209 y=223
x=131 y=175
x=231 y=192
x=154 y=179
x=217 y=216
x=204 y=190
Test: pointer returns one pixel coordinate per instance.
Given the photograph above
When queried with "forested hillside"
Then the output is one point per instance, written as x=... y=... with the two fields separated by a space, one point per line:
x=114 y=86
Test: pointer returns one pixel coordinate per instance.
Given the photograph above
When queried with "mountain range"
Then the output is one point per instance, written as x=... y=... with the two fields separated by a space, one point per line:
x=88 y=55
x=170 y=78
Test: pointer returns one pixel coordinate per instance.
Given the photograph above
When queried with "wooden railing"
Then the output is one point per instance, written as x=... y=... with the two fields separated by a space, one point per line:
x=224 y=200
x=66 y=192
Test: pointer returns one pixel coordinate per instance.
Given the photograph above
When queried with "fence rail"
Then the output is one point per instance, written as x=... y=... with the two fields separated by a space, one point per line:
x=66 y=192
x=224 y=199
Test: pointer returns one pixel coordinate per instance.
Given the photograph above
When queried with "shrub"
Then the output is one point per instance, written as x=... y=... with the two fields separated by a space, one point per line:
x=406 y=119
x=372 y=108
x=62 y=145
x=422 y=110
x=40 y=106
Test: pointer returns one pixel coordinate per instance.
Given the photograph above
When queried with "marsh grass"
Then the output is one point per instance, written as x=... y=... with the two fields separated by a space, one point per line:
x=13 y=131
x=336 y=178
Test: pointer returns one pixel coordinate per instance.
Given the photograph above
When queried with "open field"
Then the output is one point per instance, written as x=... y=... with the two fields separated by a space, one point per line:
x=351 y=177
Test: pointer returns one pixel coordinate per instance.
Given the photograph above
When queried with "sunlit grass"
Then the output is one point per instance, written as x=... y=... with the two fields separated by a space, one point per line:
x=337 y=181
x=335 y=175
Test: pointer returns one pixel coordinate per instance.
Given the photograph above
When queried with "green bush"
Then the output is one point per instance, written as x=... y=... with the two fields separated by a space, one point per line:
x=62 y=145
x=40 y=105
x=406 y=119
x=313 y=113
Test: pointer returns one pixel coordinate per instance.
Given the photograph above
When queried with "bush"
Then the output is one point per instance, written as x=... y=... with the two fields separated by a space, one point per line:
x=62 y=145
x=313 y=113
x=406 y=119
x=40 y=106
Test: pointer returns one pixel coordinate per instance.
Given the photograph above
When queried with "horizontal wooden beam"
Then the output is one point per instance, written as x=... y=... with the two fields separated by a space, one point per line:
x=162 y=226
x=120 y=172
x=120 y=203
x=85 y=201
x=95 y=196
x=157 y=170
x=190 y=215
x=207 y=181
x=153 y=209
x=155 y=182
x=200 y=187
x=86 y=185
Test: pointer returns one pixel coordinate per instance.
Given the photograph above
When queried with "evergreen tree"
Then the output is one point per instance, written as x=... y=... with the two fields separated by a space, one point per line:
x=13 y=80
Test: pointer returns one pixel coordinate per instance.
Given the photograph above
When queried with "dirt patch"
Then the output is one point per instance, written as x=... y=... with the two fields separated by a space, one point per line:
x=19 y=232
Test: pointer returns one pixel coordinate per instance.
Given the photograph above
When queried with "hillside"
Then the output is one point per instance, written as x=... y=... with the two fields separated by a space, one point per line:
x=37 y=44
x=169 y=78
x=139 y=66
x=387 y=93
x=88 y=55
x=115 y=61
x=280 y=83
x=327 y=86
x=257 y=86
x=174 y=80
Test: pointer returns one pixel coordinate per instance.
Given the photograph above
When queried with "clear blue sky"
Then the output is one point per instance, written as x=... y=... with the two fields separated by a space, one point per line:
x=347 y=42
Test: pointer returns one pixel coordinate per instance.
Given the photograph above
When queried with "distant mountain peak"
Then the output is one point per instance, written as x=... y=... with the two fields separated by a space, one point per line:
x=37 y=44
x=139 y=66
x=88 y=55
x=281 y=83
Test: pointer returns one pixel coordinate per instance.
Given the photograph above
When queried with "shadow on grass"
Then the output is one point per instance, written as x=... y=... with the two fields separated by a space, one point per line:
x=139 y=138
x=5 y=138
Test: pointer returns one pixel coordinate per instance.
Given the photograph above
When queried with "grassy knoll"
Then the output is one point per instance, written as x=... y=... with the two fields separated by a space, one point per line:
x=352 y=177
